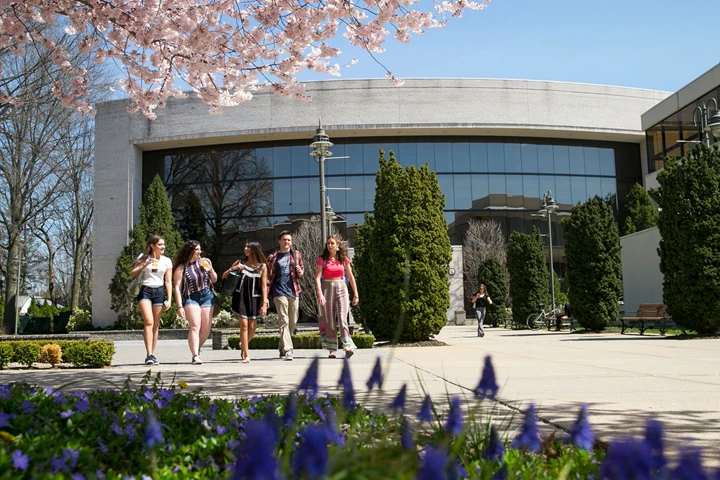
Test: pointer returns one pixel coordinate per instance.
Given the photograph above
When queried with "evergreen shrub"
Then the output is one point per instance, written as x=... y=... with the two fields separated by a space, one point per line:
x=491 y=273
x=529 y=277
x=80 y=320
x=81 y=353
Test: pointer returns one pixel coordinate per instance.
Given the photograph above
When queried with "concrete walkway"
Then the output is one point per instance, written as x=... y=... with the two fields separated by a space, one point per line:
x=624 y=379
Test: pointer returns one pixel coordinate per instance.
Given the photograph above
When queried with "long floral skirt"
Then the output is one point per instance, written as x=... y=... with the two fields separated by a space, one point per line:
x=334 y=314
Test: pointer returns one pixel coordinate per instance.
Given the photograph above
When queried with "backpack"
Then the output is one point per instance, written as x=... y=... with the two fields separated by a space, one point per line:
x=347 y=280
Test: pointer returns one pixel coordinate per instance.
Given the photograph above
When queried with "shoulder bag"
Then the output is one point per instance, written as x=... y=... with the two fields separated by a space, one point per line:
x=134 y=285
x=230 y=284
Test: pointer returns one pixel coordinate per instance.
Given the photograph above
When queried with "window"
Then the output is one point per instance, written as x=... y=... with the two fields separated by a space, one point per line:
x=478 y=157
x=443 y=157
x=529 y=158
x=461 y=157
x=513 y=158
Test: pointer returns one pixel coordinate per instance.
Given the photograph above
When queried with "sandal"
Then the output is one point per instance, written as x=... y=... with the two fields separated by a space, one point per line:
x=348 y=352
x=331 y=355
x=245 y=360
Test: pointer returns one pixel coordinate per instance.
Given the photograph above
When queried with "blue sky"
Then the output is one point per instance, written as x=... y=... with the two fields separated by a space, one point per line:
x=653 y=44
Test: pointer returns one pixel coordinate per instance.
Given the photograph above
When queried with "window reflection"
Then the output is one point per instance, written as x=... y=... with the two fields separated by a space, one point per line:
x=446 y=186
x=478 y=157
x=578 y=190
x=354 y=164
x=513 y=158
x=577 y=160
x=443 y=157
x=407 y=154
x=463 y=192
x=546 y=161
x=496 y=157
x=461 y=157
x=592 y=161
x=426 y=154
x=562 y=158
x=529 y=158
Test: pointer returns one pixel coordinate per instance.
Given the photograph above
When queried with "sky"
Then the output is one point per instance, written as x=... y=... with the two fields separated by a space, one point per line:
x=651 y=44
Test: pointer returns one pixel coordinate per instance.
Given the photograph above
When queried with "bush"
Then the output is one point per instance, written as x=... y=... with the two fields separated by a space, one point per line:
x=529 y=277
x=80 y=321
x=26 y=353
x=81 y=353
x=225 y=319
x=305 y=341
x=51 y=354
x=7 y=353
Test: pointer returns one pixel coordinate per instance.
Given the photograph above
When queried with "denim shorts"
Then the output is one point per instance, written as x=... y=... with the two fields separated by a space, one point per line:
x=204 y=298
x=156 y=295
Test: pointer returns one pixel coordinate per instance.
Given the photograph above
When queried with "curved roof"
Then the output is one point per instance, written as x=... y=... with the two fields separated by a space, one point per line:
x=361 y=108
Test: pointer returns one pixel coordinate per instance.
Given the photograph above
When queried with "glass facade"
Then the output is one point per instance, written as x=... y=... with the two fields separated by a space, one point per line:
x=257 y=190
x=676 y=135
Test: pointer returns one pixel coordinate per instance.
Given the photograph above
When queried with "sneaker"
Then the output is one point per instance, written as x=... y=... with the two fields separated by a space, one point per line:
x=288 y=356
x=196 y=360
x=155 y=360
x=149 y=360
x=481 y=334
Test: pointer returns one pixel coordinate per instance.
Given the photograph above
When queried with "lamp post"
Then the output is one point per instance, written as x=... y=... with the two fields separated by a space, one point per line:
x=320 y=151
x=707 y=124
x=549 y=206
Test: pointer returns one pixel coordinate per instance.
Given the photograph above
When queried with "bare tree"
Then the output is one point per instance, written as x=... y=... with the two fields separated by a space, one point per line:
x=483 y=240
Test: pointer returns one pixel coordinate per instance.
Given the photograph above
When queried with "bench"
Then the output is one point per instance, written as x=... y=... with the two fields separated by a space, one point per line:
x=648 y=314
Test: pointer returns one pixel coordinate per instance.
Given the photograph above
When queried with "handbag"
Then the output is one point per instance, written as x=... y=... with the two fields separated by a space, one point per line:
x=216 y=305
x=134 y=285
x=230 y=284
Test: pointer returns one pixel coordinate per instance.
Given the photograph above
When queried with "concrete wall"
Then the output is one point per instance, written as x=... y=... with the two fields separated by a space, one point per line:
x=642 y=280
x=348 y=108
x=456 y=278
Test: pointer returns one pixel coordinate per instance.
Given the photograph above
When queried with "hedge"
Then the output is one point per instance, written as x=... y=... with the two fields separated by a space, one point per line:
x=305 y=341
x=81 y=353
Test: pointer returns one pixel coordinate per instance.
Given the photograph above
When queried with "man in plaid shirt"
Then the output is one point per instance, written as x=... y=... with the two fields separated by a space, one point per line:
x=285 y=267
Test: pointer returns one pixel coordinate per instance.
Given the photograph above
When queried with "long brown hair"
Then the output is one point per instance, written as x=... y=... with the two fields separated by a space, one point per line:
x=153 y=240
x=185 y=253
x=340 y=254
x=256 y=256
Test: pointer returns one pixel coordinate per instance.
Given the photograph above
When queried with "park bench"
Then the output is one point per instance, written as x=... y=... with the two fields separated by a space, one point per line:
x=648 y=314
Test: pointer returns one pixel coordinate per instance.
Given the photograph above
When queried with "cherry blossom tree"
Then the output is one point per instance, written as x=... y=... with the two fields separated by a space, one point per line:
x=222 y=50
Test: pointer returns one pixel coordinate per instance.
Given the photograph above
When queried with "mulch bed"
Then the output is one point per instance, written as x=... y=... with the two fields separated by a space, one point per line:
x=423 y=343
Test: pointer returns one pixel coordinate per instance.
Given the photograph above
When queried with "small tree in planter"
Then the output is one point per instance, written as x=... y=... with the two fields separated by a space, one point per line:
x=492 y=274
x=594 y=268
x=529 y=275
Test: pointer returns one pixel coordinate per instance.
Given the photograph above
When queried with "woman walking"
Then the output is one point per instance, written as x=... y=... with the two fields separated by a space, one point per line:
x=156 y=270
x=250 y=299
x=481 y=300
x=193 y=277
x=331 y=271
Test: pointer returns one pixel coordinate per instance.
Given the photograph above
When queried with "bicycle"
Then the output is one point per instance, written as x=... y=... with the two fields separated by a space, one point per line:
x=535 y=321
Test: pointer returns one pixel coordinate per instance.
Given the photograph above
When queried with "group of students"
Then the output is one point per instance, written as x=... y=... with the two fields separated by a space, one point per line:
x=190 y=279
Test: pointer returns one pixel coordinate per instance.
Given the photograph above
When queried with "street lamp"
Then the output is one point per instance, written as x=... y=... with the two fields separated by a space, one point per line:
x=549 y=206
x=707 y=124
x=320 y=151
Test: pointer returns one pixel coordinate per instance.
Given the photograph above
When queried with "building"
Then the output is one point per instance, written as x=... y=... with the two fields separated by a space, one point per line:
x=496 y=145
x=671 y=131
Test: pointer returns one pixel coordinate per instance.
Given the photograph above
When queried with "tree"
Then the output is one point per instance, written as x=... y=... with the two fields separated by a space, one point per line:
x=689 y=224
x=594 y=268
x=221 y=50
x=528 y=273
x=155 y=219
x=192 y=220
x=560 y=295
x=492 y=274
x=483 y=240
x=402 y=255
x=642 y=213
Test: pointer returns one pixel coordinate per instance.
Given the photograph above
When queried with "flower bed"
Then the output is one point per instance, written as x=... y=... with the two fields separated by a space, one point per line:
x=80 y=353
x=160 y=431
x=300 y=342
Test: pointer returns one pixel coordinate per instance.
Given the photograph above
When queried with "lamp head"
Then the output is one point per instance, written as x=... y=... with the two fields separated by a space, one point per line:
x=321 y=143
x=714 y=124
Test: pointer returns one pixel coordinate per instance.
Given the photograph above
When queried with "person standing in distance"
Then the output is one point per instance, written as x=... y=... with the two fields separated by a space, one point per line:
x=285 y=267
x=156 y=270
x=481 y=300
x=193 y=277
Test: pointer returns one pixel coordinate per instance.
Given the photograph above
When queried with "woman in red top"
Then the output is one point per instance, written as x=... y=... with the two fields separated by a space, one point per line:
x=331 y=271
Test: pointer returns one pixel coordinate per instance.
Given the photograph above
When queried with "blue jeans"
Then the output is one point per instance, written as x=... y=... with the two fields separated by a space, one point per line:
x=155 y=295
x=203 y=298
x=480 y=315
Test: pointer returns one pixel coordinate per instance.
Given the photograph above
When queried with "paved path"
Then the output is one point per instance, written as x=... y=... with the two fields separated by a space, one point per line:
x=624 y=379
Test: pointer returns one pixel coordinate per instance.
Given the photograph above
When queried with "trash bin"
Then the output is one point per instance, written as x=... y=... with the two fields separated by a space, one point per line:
x=460 y=317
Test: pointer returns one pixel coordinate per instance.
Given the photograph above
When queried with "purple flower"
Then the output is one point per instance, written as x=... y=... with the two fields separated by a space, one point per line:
x=454 y=423
x=99 y=474
x=311 y=458
x=5 y=391
x=345 y=383
x=77 y=476
x=291 y=409
x=82 y=405
x=399 y=402
x=487 y=388
x=28 y=407
x=153 y=431
x=690 y=466
x=334 y=435
x=528 y=438
x=166 y=394
x=20 y=460
x=5 y=419
x=221 y=430
x=116 y=428
x=66 y=414
x=376 y=377
x=406 y=435
x=255 y=456
x=425 y=414
x=317 y=408
x=309 y=383
x=581 y=434
x=627 y=459
x=495 y=450
x=432 y=466
x=654 y=440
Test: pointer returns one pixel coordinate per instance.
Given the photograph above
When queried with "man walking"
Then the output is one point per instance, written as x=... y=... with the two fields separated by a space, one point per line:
x=285 y=267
